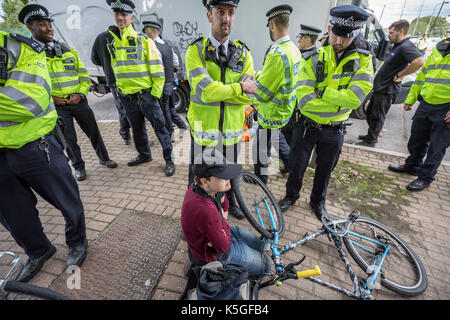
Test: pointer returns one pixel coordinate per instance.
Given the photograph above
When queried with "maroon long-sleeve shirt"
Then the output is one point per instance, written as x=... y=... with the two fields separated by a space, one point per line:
x=203 y=223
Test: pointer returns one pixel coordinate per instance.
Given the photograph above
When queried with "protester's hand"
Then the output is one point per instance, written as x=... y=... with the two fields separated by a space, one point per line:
x=407 y=107
x=249 y=85
x=74 y=99
x=60 y=101
x=447 y=117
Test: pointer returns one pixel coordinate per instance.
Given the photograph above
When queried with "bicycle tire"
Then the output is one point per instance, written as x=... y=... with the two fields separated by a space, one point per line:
x=391 y=278
x=32 y=290
x=247 y=194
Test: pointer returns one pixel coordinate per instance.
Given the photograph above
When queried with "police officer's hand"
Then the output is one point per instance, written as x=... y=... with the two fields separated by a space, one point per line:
x=447 y=117
x=249 y=85
x=407 y=107
x=74 y=99
x=60 y=101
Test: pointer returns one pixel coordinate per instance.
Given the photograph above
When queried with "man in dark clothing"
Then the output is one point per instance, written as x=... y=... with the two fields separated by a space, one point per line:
x=100 y=56
x=171 y=63
x=403 y=60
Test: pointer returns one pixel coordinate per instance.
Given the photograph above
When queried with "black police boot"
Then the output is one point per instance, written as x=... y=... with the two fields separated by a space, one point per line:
x=285 y=204
x=418 y=185
x=402 y=169
x=77 y=254
x=138 y=160
x=109 y=163
x=170 y=169
x=236 y=212
x=33 y=266
x=319 y=210
x=80 y=174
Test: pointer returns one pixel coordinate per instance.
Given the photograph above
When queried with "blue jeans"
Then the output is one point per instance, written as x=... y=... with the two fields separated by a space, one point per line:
x=247 y=250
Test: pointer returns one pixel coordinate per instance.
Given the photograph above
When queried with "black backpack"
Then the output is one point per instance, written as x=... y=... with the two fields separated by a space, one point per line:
x=217 y=281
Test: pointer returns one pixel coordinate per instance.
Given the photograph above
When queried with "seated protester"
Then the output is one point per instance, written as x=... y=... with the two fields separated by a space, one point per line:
x=203 y=219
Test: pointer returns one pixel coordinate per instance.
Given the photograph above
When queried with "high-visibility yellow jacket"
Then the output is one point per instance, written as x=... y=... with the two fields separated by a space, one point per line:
x=216 y=110
x=27 y=111
x=67 y=72
x=343 y=86
x=136 y=62
x=277 y=84
x=433 y=80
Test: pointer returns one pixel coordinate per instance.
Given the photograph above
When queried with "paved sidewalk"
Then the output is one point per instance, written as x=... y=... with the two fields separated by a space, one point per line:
x=422 y=219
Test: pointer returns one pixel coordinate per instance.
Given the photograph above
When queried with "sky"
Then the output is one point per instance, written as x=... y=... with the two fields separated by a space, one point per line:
x=393 y=9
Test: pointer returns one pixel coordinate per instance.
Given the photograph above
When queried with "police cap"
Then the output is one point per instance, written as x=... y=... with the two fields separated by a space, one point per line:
x=121 y=6
x=346 y=21
x=278 y=10
x=212 y=3
x=33 y=11
x=309 y=30
x=152 y=24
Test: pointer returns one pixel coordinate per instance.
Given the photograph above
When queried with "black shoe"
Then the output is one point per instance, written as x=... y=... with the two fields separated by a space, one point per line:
x=170 y=169
x=418 y=185
x=319 y=210
x=285 y=204
x=402 y=169
x=80 y=174
x=363 y=137
x=77 y=254
x=366 y=144
x=284 y=169
x=33 y=266
x=109 y=163
x=236 y=212
x=138 y=160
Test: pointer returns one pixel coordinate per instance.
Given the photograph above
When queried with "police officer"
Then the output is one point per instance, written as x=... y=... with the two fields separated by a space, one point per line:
x=31 y=156
x=170 y=61
x=307 y=40
x=325 y=103
x=70 y=87
x=221 y=75
x=140 y=79
x=277 y=85
x=430 y=130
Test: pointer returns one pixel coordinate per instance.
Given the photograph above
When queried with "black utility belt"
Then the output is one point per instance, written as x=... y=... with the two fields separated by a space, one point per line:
x=311 y=123
x=137 y=94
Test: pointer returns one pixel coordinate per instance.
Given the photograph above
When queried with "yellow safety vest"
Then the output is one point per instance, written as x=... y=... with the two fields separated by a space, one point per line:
x=216 y=110
x=433 y=80
x=27 y=111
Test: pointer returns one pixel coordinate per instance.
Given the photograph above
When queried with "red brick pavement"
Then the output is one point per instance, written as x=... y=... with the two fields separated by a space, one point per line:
x=108 y=192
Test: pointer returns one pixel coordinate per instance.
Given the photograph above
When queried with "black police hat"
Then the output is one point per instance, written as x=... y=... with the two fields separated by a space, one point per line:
x=121 y=6
x=33 y=11
x=212 y=3
x=309 y=30
x=278 y=10
x=152 y=24
x=347 y=20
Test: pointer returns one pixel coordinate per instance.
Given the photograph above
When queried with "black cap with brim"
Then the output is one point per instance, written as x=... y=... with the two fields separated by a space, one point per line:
x=278 y=10
x=213 y=3
x=151 y=24
x=221 y=171
x=121 y=6
x=347 y=21
x=309 y=30
x=33 y=12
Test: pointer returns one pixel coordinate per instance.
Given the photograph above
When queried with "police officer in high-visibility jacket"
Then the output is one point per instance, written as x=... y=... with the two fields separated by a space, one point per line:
x=276 y=94
x=221 y=75
x=70 y=87
x=139 y=73
x=31 y=155
x=331 y=86
x=430 y=130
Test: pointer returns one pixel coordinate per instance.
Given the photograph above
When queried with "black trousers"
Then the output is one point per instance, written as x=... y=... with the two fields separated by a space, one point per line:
x=170 y=114
x=145 y=106
x=328 y=142
x=124 y=124
x=25 y=170
x=377 y=110
x=85 y=118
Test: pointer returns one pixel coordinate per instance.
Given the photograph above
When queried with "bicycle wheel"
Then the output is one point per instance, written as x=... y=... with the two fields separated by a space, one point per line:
x=402 y=271
x=32 y=290
x=255 y=200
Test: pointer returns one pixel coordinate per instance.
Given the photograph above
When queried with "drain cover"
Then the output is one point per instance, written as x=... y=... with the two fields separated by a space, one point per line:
x=126 y=261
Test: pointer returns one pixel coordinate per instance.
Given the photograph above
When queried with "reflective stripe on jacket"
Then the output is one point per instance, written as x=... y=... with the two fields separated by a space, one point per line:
x=344 y=86
x=27 y=111
x=277 y=84
x=433 y=80
x=216 y=110
x=136 y=63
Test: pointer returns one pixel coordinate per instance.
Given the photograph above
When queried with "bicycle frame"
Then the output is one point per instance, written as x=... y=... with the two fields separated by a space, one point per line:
x=360 y=291
x=18 y=265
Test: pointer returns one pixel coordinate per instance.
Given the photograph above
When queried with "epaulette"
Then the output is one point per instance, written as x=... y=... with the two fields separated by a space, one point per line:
x=363 y=51
x=33 y=44
x=243 y=44
x=196 y=40
x=308 y=54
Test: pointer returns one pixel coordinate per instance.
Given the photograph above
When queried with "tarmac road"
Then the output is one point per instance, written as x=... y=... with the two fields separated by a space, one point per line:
x=394 y=137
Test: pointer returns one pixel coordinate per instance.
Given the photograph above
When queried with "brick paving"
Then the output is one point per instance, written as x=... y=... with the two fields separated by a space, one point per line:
x=108 y=192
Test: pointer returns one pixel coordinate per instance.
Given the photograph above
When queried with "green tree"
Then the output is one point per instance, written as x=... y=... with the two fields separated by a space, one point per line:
x=424 y=22
x=11 y=9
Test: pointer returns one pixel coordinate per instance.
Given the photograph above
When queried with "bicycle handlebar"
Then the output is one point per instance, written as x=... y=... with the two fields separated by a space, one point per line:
x=309 y=273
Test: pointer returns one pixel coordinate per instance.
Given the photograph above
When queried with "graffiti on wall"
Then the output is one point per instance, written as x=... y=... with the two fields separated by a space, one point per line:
x=185 y=33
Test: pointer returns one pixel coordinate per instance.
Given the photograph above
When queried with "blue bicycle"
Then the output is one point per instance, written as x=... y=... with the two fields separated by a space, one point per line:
x=383 y=256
